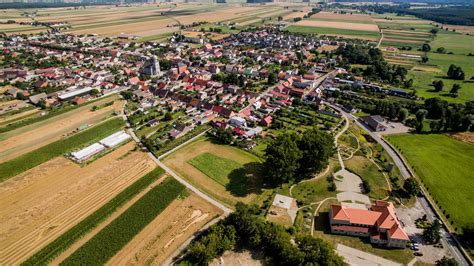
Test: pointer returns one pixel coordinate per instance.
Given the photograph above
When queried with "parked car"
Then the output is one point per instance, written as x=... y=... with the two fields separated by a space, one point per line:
x=419 y=254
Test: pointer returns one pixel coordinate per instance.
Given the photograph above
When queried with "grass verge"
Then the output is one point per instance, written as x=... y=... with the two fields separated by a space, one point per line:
x=105 y=244
x=29 y=160
x=52 y=250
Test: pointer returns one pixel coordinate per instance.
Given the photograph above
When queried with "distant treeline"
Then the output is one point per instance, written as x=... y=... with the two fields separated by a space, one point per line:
x=456 y=15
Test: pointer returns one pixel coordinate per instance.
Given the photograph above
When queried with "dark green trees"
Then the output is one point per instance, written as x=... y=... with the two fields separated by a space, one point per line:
x=292 y=156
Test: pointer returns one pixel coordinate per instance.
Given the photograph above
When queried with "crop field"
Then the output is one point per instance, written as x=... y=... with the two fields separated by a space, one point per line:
x=243 y=182
x=26 y=139
x=346 y=33
x=110 y=240
x=71 y=236
x=140 y=20
x=34 y=158
x=445 y=167
x=34 y=213
x=215 y=167
x=177 y=223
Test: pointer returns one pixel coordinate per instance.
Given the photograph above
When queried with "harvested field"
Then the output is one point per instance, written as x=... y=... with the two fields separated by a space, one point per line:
x=237 y=188
x=346 y=17
x=339 y=25
x=177 y=223
x=328 y=48
x=34 y=136
x=33 y=213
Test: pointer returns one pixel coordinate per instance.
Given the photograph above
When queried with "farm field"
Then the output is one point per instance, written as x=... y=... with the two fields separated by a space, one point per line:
x=112 y=238
x=157 y=241
x=445 y=167
x=34 y=158
x=243 y=183
x=33 y=213
x=346 y=33
x=25 y=139
x=143 y=20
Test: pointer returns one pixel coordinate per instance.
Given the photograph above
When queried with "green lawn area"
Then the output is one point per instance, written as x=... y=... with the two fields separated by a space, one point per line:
x=368 y=171
x=215 y=167
x=424 y=79
x=445 y=167
x=29 y=160
x=454 y=42
x=323 y=30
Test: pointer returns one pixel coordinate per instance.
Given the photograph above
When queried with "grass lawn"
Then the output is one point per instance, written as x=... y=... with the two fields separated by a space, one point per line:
x=445 y=167
x=226 y=173
x=220 y=169
x=454 y=42
x=424 y=79
x=323 y=30
x=368 y=171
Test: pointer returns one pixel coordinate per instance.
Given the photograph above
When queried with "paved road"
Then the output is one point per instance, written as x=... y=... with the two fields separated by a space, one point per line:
x=447 y=238
x=356 y=257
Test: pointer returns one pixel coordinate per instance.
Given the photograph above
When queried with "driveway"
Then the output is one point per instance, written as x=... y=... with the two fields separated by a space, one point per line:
x=356 y=257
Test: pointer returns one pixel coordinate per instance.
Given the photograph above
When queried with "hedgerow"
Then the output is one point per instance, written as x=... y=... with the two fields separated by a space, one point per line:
x=52 y=250
x=110 y=240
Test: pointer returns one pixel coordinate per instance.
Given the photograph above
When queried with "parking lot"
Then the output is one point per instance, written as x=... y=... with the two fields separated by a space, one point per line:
x=407 y=217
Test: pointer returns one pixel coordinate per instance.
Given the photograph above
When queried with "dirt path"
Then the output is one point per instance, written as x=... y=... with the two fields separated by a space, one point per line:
x=21 y=141
x=33 y=212
x=156 y=242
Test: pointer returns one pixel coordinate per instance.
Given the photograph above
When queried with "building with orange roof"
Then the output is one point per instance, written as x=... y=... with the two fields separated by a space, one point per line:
x=379 y=223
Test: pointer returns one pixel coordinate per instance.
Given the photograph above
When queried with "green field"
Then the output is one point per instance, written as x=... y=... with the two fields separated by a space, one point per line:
x=110 y=240
x=323 y=30
x=29 y=160
x=215 y=167
x=445 y=167
x=454 y=42
x=53 y=249
x=424 y=79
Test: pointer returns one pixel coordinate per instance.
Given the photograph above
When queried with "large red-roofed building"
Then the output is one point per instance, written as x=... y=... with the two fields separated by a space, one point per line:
x=379 y=223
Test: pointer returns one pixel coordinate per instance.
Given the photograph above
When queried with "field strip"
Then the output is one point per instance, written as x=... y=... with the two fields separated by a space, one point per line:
x=86 y=197
x=29 y=160
x=19 y=116
x=339 y=25
x=165 y=234
x=28 y=141
x=86 y=237
x=111 y=239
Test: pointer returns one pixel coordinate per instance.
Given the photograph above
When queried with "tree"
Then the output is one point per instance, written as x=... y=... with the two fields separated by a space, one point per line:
x=456 y=72
x=438 y=85
x=441 y=50
x=224 y=135
x=282 y=158
x=426 y=47
x=454 y=90
x=431 y=234
x=402 y=114
x=445 y=261
x=316 y=147
x=436 y=125
x=168 y=116
x=408 y=83
x=411 y=186
x=272 y=78
x=424 y=59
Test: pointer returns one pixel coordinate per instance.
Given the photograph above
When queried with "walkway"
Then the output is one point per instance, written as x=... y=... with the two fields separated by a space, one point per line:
x=356 y=257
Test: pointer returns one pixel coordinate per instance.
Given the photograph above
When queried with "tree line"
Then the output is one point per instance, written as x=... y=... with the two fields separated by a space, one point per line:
x=246 y=228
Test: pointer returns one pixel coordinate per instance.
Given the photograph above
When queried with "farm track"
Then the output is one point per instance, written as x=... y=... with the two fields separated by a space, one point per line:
x=48 y=225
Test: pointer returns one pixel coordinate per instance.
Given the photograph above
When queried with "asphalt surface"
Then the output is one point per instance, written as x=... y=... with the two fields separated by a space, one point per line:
x=447 y=238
